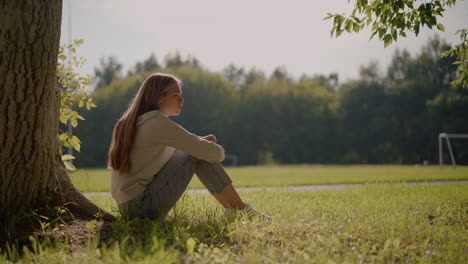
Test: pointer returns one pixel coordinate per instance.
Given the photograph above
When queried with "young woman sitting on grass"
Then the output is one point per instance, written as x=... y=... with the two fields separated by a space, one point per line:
x=152 y=159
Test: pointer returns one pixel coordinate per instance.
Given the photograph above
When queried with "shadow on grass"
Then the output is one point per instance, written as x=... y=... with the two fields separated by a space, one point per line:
x=167 y=240
x=177 y=233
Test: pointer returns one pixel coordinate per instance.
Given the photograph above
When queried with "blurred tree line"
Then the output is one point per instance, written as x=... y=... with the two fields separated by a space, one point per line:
x=390 y=118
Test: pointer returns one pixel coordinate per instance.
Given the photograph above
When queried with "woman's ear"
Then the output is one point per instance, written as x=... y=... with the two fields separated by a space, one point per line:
x=160 y=102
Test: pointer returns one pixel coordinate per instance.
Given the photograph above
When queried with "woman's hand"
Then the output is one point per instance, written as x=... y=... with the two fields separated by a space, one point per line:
x=210 y=138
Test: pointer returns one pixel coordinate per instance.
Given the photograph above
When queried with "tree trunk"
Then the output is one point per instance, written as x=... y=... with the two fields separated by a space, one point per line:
x=31 y=172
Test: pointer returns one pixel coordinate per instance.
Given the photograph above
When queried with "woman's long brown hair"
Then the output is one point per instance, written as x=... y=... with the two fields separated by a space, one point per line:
x=146 y=99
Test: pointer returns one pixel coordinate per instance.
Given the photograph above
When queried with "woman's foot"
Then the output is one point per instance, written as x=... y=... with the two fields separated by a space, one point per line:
x=229 y=198
x=248 y=210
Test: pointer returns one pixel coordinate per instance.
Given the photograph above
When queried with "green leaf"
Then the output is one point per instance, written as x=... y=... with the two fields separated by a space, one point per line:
x=75 y=143
x=64 y=136
x=416 y=29
x=375 y=26
x=90 y=105
x=67 y=157
x=78 y=42
x=69 y=166
x=329 y=15
x=356 y=27
x=356 y=19
x=348 y=25
x=65 y=114
x=433 y=21
x=74 y=122
x=338 y=32
x=190 y=245
x=387 y=40
x=382 y=32
x=441 y=27
x=369 y=15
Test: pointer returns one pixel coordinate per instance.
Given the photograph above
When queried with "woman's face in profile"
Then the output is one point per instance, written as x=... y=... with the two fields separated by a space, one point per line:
x=170 y=104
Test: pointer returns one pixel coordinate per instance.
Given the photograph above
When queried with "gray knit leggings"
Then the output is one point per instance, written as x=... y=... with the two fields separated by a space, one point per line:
x=168 y=185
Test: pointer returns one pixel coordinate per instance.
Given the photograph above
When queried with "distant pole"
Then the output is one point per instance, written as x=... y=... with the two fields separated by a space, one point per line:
x=451 y=152
x=441 y=160
x=449 y=146
x=69 y=125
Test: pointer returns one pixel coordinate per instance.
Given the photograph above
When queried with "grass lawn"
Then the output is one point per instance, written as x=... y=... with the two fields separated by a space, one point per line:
x=373 y=224
x=98 y=180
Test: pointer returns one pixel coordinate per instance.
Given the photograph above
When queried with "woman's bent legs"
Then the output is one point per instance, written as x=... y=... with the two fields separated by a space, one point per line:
x=220 y=186
x=168 y=185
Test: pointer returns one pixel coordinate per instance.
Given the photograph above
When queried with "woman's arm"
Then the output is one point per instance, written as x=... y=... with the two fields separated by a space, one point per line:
x=203 y=148
x=210 y=138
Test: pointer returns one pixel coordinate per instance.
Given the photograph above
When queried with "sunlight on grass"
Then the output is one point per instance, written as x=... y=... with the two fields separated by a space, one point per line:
x=98 y=180
x=410 y=224
x=374 y=224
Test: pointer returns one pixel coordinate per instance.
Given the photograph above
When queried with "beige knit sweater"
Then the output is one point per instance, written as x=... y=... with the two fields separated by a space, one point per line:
x=156 y=140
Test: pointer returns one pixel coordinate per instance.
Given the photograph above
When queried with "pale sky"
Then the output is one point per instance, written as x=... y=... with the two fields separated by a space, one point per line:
x=249 y=33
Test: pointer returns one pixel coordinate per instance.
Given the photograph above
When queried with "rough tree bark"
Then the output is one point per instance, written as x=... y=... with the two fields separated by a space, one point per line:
x=31 y=172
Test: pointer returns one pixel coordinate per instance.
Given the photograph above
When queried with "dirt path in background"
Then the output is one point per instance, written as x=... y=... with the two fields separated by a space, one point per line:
x=309 y=188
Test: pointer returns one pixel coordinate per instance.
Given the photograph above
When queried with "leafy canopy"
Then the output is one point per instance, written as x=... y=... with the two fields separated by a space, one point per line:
x=390 y=19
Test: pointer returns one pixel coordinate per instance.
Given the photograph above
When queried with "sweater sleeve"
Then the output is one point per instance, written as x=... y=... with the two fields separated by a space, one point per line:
x=172 y=134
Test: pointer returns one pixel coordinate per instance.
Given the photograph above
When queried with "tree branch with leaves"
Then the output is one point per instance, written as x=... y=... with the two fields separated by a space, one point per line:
x=390 y=19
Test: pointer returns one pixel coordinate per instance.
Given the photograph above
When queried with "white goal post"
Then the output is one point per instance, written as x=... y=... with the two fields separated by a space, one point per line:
x=447 y=139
